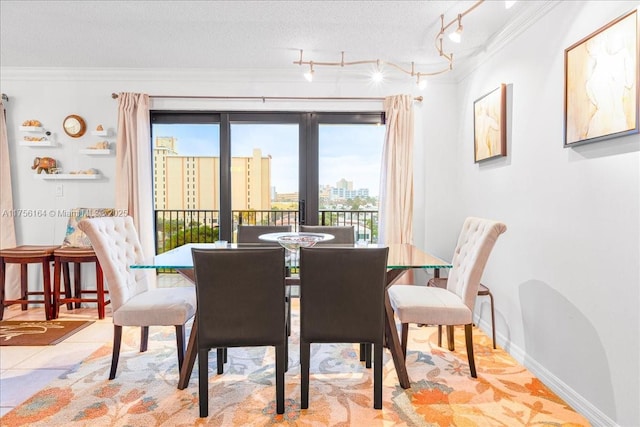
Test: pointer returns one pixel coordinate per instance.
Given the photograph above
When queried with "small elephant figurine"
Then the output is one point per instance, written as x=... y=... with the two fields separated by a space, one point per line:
x=46 y=164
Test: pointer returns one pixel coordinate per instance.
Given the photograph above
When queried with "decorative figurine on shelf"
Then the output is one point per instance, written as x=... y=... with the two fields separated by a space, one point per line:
x=99 y=128
x=35 y=123
x=45 y=164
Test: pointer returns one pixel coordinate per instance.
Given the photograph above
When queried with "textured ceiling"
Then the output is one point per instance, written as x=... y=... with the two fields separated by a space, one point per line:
x=247 y=34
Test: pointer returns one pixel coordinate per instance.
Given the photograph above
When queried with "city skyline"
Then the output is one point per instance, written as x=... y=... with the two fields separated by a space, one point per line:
x=351 y=152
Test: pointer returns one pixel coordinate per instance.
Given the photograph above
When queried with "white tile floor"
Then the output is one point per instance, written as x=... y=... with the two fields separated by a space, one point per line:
x=26 y=370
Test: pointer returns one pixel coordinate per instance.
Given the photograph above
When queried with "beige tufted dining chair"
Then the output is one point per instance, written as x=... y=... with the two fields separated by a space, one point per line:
x=133 y=301
x=454 y=304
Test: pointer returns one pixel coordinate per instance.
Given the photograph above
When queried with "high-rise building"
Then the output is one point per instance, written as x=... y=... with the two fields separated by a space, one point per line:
x=193 y=182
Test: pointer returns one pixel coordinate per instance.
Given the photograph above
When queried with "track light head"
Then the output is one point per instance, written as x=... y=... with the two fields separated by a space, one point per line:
x=456 y=36
x=422 y=83
x=309 y=74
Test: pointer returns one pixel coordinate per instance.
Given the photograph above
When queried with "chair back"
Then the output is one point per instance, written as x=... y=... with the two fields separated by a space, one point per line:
x=343 y=234
x=240 y=295
x=342 y=294
x=252 y=233
x=476 y=240
x=117 y=246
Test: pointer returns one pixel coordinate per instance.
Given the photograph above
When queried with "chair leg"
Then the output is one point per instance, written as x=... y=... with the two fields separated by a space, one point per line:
x=48 y=298
x=24 y=286
x=203 y=381
x=305 y=356
x=286 y=354
x=450 y=340
x=144 y=338
x=439 y=335
x=77 y=282
x=363 y=352
x=377 y=376
x=2 y=285
x=404 y=338
x=287 y=301
x=220 y=359
x=493 y=321
x=468 y=334
x=281 y=356
x=100 y=290
x=117 y=338
x=368 y=355
x=180 y=333
x=56 y=289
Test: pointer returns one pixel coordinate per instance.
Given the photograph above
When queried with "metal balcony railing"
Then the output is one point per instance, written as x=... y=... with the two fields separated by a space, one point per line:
x=177 y=227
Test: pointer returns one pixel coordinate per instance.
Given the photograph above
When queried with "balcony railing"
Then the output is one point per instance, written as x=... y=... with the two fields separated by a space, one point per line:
x=177 y=227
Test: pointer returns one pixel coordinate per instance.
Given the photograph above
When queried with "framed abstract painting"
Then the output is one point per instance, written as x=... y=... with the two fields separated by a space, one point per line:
x=490 y=125
x=601 y=83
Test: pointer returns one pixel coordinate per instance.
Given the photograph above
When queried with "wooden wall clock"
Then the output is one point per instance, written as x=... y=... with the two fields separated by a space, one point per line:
x=74 y=126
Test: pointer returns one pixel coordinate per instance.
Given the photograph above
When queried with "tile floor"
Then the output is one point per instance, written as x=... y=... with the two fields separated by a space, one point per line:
x=26 y=370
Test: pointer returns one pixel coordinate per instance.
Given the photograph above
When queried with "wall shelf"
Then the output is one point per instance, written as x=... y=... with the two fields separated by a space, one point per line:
x=100 y=132
x=60 y=176
x=47 y=143
x=31 y=128
x=95 y=152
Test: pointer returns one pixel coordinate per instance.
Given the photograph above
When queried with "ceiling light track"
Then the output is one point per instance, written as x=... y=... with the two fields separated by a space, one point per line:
x=419 y=75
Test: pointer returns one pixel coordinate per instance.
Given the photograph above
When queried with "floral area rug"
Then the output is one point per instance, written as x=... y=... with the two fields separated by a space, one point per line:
x=442 y=393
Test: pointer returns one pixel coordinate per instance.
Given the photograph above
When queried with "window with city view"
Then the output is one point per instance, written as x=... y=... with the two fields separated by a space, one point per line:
x=282 y=170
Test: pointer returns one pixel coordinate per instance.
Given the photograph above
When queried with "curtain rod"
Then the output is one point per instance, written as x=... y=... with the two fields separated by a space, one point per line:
x=5 y=97
x=266 y=98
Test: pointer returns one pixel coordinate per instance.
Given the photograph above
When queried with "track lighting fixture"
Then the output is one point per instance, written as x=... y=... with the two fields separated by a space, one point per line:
x=421 y=80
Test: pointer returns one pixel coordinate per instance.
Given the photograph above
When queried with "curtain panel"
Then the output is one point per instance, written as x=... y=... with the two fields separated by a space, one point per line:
x=396 y=177
x=7 y=223
x=134 y=186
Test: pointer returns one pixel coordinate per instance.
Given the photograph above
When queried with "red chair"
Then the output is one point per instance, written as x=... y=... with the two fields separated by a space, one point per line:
x=25 y=255
x=62 y=258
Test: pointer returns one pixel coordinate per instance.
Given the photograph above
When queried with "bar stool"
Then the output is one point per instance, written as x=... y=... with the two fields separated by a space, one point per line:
x=441 y=282
x=25 y=255
x=62 y=257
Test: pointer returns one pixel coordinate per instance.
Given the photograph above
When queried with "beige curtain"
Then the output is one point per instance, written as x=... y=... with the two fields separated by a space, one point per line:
x=134 y=188
x=7 y=224
x=396 y=177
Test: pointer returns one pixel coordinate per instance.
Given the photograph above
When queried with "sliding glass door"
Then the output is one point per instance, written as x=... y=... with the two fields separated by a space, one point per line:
x=215 y=170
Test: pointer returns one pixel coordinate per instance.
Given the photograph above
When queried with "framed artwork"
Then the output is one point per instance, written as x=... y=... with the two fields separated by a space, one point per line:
x=490 y=125
x=601 y=83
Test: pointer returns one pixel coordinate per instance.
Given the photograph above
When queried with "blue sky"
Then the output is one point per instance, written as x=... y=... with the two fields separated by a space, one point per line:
x=352 y=152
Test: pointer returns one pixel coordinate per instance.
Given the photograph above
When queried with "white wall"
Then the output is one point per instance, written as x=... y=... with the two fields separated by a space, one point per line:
x=51 y=95
x=565 y=275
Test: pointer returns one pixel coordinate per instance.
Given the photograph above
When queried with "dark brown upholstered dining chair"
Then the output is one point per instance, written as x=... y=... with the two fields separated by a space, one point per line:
x=243 y=293
x=133 y=301
x=342 y=301
x=342 y=234
x=250 y=234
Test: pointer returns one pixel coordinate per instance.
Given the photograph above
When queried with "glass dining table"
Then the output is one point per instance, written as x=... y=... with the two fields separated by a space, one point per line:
x=402 y=257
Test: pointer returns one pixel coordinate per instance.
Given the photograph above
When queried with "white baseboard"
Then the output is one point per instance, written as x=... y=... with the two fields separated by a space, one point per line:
x=595 y=416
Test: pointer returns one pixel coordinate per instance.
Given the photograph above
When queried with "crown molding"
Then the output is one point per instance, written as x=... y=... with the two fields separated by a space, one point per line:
x=532 y=14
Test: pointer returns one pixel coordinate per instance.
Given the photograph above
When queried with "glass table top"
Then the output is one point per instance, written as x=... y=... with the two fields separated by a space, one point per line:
x=400 y=256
